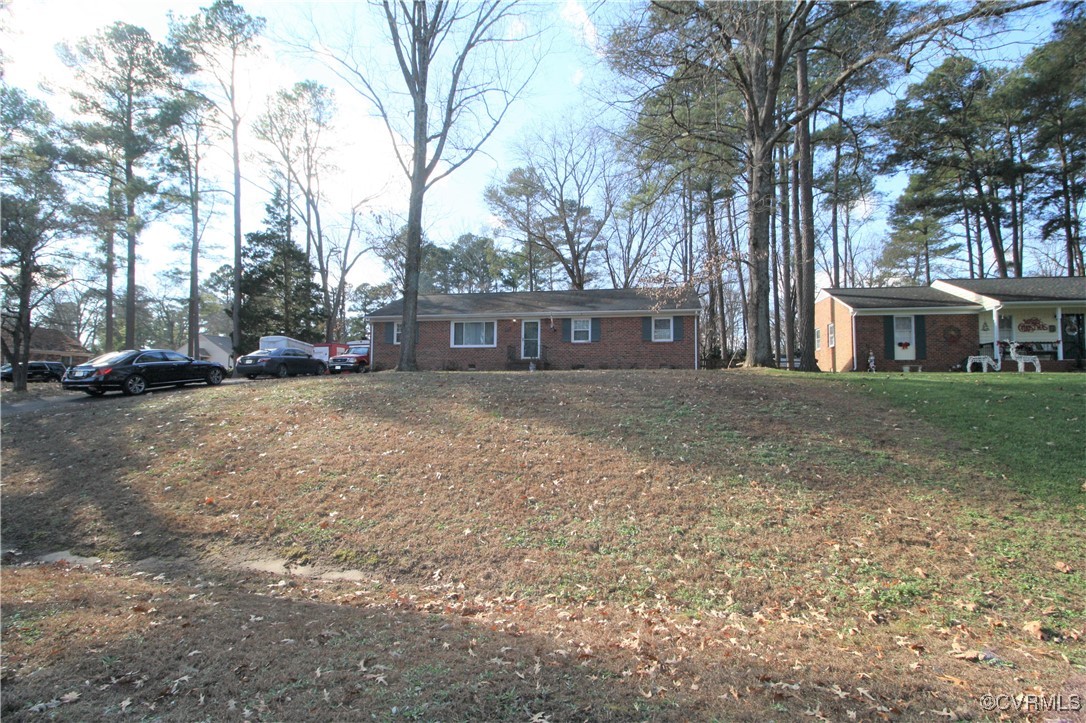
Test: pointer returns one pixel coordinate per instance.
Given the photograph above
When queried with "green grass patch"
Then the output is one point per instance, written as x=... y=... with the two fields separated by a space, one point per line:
x=1028 y=428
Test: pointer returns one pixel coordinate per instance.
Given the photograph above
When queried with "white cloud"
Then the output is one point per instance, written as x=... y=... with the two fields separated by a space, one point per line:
x=574 y=13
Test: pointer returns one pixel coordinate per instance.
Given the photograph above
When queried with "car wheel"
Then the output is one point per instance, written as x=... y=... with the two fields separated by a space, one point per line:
x=321 y=371
x=250 y=376
x=331 y=371
x=214 y=378
x=94 y=392
x=281 y=371
x=134 y=385
x=54 y=378
x=364 y=369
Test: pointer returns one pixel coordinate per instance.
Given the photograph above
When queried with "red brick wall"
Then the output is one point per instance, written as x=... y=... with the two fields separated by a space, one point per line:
x=950 y=338
x=620 y=347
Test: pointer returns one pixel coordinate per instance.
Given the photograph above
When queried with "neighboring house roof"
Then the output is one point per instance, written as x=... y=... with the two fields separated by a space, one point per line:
x=222 y=342
x=1027 y=290
x=53 y=342
x=548 y=303
x=897 y=297
x=965 y=294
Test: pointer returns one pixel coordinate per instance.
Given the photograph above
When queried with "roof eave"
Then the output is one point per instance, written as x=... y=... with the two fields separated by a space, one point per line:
x=883 y=310
x=535 y=314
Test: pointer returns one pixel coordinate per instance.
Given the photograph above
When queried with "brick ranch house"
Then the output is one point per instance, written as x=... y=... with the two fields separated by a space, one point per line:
x=937 y=327
x=590 y=329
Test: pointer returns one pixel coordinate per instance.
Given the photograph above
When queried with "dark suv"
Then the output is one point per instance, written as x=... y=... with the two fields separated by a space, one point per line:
x=37 y=371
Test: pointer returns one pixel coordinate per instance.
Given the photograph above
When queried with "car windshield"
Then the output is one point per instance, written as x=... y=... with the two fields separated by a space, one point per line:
x=111 y=358
x=359 y=350
x=261 y=352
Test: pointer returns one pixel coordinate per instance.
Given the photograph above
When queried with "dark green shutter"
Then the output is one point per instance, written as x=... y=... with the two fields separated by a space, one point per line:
x=646 y=328
x=888 y=336
x=920 y=327
x=596 y=329
x=676 y=328
x=390 y=332
x=567 y=329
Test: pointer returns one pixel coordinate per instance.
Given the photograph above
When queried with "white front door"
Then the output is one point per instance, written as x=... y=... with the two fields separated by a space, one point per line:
x=904 y=338
x=529 y=340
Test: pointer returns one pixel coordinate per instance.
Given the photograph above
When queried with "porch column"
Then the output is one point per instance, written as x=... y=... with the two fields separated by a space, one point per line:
x=1059 y=333
x=995 y=334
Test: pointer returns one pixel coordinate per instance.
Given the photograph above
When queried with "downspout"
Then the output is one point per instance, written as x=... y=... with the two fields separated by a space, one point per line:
x=855 y=351
x=995 y=332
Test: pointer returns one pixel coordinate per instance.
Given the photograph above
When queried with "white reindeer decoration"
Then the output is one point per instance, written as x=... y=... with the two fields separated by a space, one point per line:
x=986 y=362
x=1024 y=359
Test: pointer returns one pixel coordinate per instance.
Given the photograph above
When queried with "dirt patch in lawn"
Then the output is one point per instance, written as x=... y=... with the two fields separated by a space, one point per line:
x=590 y=545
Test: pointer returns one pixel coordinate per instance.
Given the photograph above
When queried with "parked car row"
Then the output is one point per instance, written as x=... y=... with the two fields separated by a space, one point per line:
x=134 y=371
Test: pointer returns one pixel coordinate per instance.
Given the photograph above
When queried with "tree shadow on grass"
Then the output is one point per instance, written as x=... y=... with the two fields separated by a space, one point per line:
x=224 y=649
x=72 y=492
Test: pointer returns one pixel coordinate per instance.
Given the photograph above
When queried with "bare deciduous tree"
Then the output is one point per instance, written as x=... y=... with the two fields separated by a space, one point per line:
x=455 y=65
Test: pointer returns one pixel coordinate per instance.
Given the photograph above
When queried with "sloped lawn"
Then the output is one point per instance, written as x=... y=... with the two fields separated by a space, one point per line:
x=564 y=546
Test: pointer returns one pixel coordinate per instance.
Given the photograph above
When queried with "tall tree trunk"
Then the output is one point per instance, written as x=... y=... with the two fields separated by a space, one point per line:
x=806 y=255
x=759 y=353
x=716 y=264
x=111 y=266
x=235 y=130
x=733 y=237
x=774 y=246
x=982 y=270
x=194 y=267
x=409 y=335
x=786 y=256
x=131 y=231
x=837 y=195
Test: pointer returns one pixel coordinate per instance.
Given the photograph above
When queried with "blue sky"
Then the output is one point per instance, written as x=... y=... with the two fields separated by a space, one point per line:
x=33 y=28
x=568 y=80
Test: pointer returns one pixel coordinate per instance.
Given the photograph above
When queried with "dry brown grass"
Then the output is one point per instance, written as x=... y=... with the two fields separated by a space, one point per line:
x=611 y=545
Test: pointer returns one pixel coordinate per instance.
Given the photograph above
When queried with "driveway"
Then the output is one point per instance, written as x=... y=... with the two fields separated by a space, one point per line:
x=58 y=400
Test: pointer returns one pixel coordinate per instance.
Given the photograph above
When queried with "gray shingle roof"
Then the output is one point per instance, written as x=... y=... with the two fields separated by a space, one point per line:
x=897 y=297
x=548 y=303
x=1054 y=288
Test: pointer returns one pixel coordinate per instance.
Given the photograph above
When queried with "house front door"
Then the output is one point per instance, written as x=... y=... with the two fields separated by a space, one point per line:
x=529 y=340
x=1074 y=337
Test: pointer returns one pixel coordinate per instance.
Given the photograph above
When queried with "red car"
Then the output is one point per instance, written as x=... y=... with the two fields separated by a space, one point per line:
x=356 y=359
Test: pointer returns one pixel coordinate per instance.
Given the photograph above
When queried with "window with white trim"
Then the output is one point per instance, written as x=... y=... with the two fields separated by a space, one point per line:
x=831 y=336
x=473 y=333
x=818 y=339
x=397 y=327
x=582 y=331
x=663 y=328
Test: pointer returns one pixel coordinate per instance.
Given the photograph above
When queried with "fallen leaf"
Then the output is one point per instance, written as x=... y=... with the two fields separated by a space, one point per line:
x=1033 y=629
x=1064 y=568
x=954 y=681
x=969 y=655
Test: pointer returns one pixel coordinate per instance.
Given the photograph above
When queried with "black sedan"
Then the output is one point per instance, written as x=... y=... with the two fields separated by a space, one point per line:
x=134 y=371
x=279 y=363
